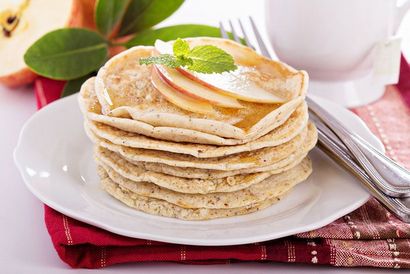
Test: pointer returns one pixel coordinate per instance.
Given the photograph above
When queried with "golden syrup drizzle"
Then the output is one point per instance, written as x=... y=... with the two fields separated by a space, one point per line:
x=250 y=115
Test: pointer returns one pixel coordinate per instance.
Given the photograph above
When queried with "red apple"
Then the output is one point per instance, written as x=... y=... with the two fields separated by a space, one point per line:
x=23 y=22
x=179 y=99
x=235 y=84
x=193 y=89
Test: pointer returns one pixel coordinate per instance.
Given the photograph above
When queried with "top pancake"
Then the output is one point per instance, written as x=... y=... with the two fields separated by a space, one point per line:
x=133 y=97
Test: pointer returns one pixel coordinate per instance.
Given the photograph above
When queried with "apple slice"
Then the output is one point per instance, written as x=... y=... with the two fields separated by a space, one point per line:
x=22 y=22
x=193 y=89
x=163 y=47
x=237 y=84
x=179 y=99
x=240 y=84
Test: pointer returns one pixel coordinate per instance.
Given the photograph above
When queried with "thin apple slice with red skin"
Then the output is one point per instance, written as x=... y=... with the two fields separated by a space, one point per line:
x=194 y=89
x=242 y=90
x=179 y=99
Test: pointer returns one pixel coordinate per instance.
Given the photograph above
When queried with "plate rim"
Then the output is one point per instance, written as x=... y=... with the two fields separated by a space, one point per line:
x=85 y=216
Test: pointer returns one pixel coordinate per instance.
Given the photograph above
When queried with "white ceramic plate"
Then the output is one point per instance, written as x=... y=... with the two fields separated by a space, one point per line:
x=55 y=159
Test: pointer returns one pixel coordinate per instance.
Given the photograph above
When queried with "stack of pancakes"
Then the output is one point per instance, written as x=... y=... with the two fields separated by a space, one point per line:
x=163 y=160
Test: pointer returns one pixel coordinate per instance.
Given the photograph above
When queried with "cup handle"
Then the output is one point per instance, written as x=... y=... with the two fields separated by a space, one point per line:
x=400 y=12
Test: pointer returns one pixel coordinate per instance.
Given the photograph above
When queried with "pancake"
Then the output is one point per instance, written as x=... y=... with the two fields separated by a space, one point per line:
x=197 y=173
x=91 y=108
x=269 y=188
x=124 y=89
x=107 y=158
x=162 y=208
x=282 y=134
x=250 y=159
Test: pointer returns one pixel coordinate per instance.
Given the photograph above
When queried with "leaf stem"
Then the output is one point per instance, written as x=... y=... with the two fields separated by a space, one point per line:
x=116 y=44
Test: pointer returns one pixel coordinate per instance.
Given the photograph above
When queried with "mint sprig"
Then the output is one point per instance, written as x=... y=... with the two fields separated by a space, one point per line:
x=204 y=59
x=165 y=59
x=180 y=47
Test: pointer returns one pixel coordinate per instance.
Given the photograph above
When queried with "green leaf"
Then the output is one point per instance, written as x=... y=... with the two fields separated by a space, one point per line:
x=148 y=37
x=142 y=14
x=204 y=59
x=66 y=54
x=210 y=59
x=74 y=86
x=108 y=14
x=180 y=47
x=165 y=59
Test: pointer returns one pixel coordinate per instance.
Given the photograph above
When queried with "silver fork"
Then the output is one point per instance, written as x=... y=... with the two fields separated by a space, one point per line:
x=348 y=149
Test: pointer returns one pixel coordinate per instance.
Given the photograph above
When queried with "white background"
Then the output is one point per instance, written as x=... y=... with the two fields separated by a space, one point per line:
x=25 y=246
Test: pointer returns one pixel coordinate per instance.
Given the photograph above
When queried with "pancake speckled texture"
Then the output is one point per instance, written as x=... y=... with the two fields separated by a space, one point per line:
x=198 y=173
x=272 y=186
x=282 y=134
x=250 y=159
x=163 y=208
x=137 y=173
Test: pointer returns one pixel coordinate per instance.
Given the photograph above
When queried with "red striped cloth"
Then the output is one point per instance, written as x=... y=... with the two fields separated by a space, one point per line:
x=369 y=236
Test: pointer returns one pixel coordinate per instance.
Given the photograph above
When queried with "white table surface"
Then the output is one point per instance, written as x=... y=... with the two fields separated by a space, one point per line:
x=25 y=246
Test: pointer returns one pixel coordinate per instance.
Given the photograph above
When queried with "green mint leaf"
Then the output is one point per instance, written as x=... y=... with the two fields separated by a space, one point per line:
x=210 y=59
x=108 y=14
x=66 y=54
x=143 y=14
x=185 y=61
x=181 y=47
x=163 y=59
x=204 y=59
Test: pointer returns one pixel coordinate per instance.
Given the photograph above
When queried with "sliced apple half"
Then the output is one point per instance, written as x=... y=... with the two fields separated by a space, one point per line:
x=245 y=83
x=194 y=89
x=22 y=22
x=179 y=99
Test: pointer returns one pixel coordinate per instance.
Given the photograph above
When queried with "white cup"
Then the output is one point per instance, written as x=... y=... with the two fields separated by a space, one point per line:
x=331 y=39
